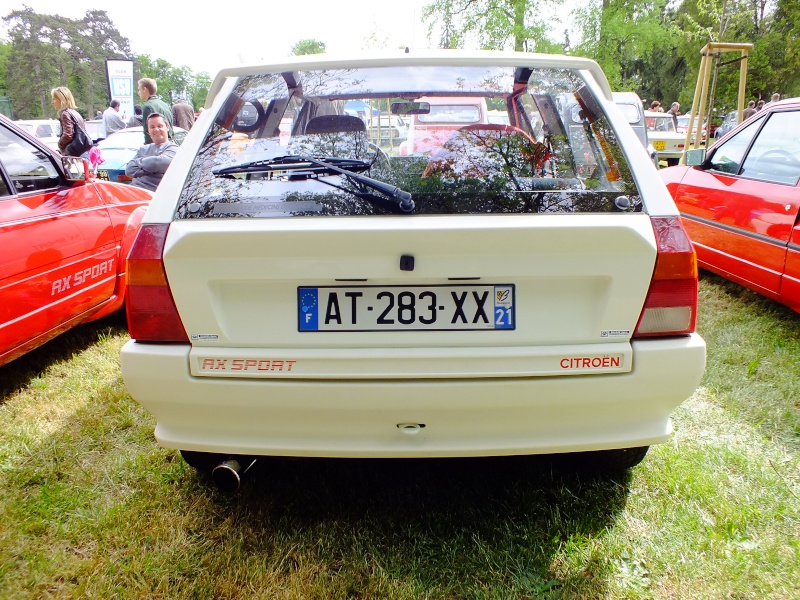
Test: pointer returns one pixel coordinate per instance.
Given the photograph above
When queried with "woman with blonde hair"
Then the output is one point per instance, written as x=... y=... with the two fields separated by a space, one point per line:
x=74 y=140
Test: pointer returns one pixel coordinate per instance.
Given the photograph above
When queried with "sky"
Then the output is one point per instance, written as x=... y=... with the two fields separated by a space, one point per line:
x=206 y=39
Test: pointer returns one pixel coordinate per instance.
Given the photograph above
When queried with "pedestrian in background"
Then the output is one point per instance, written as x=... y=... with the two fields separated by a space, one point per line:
x=153 y=104
x=183 y=114
x=74 y=140
x=111 y=119
x=675 y=111
x=759 y=105
x=136 y=119
x=749 y=111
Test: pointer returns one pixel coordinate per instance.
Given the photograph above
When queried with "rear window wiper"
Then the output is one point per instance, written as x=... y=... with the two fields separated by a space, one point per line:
x=400 y=200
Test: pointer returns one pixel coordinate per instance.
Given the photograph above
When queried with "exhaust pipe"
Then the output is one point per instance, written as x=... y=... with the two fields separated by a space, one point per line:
x=227 y=475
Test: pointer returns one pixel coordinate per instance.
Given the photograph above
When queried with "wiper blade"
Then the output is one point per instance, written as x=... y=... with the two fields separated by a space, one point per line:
x=404 y=201
x=347 y=167
x=290 y=162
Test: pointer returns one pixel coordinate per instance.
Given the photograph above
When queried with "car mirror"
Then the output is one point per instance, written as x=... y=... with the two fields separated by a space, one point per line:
x=75 y=168
x=695 y=157
x=411 y=108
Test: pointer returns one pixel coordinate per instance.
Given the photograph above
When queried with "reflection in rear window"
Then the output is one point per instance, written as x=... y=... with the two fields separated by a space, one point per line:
x=325 y=143
x=452 y=114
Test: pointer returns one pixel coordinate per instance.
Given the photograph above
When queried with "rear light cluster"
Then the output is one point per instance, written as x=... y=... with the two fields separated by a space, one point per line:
x=671 y=304
x=152 y=314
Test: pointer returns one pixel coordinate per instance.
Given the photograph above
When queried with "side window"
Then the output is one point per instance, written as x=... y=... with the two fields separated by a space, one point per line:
x=728 y=157
x=29 y=168
x=775 y=155
x=3 y=187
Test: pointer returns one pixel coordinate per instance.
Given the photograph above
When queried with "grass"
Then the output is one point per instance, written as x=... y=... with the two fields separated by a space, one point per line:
x=91 y=506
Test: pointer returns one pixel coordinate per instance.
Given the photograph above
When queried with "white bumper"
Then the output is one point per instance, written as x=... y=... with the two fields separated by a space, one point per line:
x=461 y=417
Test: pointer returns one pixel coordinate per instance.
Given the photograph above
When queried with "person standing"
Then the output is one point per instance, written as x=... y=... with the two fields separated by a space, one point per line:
x=71 y=121
x=749 y=111
x=759 y=105
x=136 y=119
x=147 y=168
x=183 y=114
x=776 y=97
x=153 y=104
x=675 y=111
x=111 y=119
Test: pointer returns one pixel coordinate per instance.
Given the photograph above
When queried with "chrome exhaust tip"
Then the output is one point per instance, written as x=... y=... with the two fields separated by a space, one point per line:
x=227 y=475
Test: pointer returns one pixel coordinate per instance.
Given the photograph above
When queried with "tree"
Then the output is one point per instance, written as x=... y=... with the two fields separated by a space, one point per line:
x=308 y=46
x=173 y=82
x=492 y=24
x=39 y=59
x=98 y=40
x=621 y=35
x=47 y=51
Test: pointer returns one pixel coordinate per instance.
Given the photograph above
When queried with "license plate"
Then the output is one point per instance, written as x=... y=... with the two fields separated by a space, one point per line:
x=102 y=174
x=406 y=308
x=659 y=144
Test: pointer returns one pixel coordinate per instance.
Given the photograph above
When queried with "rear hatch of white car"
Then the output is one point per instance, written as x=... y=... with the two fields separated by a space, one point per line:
x=458 y=296
x=509 y=251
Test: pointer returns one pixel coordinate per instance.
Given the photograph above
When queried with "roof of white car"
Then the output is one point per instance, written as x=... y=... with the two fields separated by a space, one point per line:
x=453 y=58
x=657 y=115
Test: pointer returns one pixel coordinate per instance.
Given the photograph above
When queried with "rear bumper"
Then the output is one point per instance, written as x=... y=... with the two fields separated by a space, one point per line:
x=462 y=417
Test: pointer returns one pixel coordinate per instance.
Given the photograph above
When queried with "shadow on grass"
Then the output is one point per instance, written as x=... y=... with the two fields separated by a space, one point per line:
x=760 y=305
x=493 y=527
x=20 y=372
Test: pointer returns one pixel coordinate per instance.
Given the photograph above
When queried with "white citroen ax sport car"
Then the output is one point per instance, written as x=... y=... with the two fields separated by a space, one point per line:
x=299 y=288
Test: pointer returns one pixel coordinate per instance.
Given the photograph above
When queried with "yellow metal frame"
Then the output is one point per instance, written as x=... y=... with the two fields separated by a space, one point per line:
x=710 y=52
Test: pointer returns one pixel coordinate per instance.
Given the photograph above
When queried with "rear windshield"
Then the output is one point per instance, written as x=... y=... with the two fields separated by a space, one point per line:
x=408 y=140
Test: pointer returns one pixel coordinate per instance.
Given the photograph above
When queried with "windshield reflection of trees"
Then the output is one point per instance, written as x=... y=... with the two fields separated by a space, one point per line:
x=476 y=172
x=480 y=169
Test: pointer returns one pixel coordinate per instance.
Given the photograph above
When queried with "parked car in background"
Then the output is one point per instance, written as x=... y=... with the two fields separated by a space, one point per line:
x=739 y=201
x=728 y=123
x=121 y=146
x=630 y=104
x=683 y=126
x=47 y=130
x=64 y=240
x=428 y=131
x=667 y=142
x=481 y=297
x=96 y=128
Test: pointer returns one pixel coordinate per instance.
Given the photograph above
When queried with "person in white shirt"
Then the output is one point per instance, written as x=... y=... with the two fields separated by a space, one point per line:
x=111 y=119
x=147 y=168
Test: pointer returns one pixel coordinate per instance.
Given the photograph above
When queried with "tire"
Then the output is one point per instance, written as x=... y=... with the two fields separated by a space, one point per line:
x=202 y=461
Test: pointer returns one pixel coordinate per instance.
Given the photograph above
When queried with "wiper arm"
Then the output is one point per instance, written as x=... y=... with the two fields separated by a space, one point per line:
x=403 y=198
x=289 y=162
x=333 y=165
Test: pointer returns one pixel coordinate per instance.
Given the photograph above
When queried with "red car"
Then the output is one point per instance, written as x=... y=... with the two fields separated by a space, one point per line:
x=739 y=202
x=64 y=237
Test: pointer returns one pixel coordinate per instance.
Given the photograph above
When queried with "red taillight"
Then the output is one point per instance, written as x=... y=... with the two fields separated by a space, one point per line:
x=152 y=314
x=671 y=304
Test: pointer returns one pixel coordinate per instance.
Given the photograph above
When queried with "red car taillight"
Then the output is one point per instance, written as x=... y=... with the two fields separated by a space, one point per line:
x=152 y=314
x=671 y=304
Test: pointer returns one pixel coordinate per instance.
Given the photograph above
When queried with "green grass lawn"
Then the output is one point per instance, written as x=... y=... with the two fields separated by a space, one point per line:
x=91 y=506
